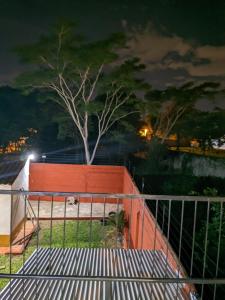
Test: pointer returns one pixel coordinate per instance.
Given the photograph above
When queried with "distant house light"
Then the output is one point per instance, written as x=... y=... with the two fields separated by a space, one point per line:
x=146 y=132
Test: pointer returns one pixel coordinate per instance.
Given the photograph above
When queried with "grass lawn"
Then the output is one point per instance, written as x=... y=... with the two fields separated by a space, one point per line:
x=78 y=234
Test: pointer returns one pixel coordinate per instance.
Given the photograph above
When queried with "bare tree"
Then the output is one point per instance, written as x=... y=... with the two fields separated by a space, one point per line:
x=84 y=81
x=167 y=118
x=77 y=99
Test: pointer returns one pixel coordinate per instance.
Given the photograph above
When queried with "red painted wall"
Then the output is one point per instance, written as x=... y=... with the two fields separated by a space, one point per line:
x=76 y=178
x=142 y=232
x=103 y=179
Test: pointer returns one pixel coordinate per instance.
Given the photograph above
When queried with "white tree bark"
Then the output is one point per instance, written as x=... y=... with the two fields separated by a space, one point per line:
x=167 y=119
x=82 y=93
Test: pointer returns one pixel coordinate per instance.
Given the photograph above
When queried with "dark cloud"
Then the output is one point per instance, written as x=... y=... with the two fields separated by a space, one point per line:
x=187 y=42
x=176 y=59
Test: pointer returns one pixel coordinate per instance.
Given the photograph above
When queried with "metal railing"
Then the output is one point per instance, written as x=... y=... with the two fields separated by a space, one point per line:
x=148 y=245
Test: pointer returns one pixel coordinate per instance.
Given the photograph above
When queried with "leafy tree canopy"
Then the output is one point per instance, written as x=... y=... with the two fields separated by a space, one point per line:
x=165 y=108
x=89 y=80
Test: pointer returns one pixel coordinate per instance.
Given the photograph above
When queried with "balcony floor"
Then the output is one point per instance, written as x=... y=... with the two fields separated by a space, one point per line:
x=94 y=262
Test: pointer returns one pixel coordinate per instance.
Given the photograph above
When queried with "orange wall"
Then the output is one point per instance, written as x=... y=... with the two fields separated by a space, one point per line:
x=103 y=179
x=76 y=178
x=143 y=233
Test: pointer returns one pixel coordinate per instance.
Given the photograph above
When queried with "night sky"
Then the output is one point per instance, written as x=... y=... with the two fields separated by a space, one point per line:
x=178 y=40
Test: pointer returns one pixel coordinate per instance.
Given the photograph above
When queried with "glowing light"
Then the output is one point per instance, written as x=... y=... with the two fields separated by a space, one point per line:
x=145 y=132
x=31 y=156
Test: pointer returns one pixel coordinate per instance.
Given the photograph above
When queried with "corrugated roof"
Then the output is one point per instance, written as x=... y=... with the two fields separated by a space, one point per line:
x=94 y=262
x=10 y=166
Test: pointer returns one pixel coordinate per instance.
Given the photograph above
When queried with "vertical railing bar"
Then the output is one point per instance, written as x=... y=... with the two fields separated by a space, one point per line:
x=90 y=235
x=129 y=236
x=101 y=293
x=31 y=208
x=64 y=223
x=129 y=228
x=129 y=239
x=218 y=249
x=104 y=224
x=205 y=246
x=154 y=244
x=167 y=244
x=91 y=219
x=37 y=245
x=50 y=242
x=64 y=235
x=142 y=237
x=193 y=238
x=24 y=237
x=50 y=237
x=180 y=245
x=10 y=242
x=24 y=231
x=77 y=230
x=142 y=232
x=130 y=222
x=64 y=242
x=117 y=219
x=155 y=233
x=77 y=224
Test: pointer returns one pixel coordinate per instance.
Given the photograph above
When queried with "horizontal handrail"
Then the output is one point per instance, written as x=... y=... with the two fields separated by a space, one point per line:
x=111 y=195
x=115 y=278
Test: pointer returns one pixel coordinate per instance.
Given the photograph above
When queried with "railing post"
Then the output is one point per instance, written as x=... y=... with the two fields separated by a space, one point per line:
x=10 y=243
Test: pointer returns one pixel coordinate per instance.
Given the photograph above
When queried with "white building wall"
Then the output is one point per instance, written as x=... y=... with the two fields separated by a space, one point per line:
x=5 y=211
x=18 y=207
x=21 y=182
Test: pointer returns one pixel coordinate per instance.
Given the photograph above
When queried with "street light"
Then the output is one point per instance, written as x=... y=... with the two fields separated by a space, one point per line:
x=31 y=156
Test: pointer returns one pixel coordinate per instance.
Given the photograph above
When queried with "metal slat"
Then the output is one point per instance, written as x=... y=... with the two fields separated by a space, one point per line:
x=96 y=262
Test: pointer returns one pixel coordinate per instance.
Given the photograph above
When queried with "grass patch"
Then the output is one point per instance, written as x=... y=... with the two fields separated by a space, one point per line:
x=82 y=234
x=69 y=234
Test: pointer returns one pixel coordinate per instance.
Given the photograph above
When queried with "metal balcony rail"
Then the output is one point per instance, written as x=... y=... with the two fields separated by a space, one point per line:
x=113 y=246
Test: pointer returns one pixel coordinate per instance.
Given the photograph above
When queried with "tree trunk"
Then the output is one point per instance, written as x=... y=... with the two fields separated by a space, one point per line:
x=86 y=146
x=95 y=149
x=87 y=152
